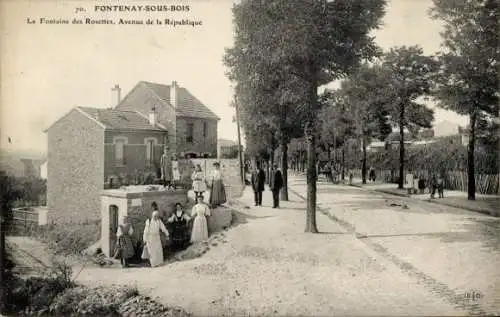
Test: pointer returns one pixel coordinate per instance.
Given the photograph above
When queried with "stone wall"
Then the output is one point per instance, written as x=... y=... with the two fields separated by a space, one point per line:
x=75 y=169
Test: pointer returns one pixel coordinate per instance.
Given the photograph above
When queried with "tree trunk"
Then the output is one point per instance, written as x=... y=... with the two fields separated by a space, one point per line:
x=311 y=182
x=471 y=184
x=401 y=146
x=270 y=167
x=343 y=162
x=363 y=162
x=284 y=164
x=329 y=152
x=311 y=150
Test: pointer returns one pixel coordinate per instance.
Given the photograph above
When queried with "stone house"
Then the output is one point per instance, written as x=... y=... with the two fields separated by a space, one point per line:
x=87 y=147
x=192 y=126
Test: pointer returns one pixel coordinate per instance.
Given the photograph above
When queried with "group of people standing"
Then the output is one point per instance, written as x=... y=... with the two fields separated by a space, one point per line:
x=258 y=180
x=171 y=177
x=179 y=234
x=213 y=183
x=435 y=183
x=179 y=222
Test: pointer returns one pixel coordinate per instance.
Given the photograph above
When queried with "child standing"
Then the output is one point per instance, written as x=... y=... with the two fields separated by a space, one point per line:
x=199 y=186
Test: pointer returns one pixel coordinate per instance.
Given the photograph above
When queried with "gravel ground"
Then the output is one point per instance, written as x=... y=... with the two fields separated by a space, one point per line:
x=267 y=265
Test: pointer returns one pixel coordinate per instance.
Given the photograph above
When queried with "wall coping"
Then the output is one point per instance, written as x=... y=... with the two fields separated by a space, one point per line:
x=132 y=192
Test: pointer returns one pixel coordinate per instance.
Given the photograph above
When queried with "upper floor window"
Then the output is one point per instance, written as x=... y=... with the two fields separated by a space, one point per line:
x=189 y=132
x=120 y=143
x=205 y=129
x=150 y=150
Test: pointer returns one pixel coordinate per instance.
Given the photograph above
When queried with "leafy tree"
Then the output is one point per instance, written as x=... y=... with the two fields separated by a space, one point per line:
x=468 y=78
x=408 y=76
x=316 y=41
x=10 y=191
x=363 y=95
x=336 y=124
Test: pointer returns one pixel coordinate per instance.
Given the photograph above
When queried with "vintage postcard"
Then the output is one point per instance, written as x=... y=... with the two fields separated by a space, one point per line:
x=249 y=158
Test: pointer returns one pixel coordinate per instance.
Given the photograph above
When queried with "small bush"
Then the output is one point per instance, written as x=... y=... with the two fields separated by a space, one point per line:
x=97 y=301
x=33 y=296
x=69 y=239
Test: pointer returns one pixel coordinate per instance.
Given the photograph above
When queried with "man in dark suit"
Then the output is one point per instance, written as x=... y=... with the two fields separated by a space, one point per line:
x=258 y=181
x=276 y=184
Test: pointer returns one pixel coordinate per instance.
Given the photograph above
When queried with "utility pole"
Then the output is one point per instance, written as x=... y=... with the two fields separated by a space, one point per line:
x=240 y=152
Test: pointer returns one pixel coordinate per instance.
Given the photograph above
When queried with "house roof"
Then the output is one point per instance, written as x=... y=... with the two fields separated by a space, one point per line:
x=113 y=119
x=187 y=104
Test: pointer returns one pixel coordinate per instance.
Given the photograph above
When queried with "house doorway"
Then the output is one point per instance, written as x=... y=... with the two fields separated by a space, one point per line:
x=113 y=227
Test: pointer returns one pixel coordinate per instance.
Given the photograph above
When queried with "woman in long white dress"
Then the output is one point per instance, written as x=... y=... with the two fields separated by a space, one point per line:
x=151 y=238
x=200 y=212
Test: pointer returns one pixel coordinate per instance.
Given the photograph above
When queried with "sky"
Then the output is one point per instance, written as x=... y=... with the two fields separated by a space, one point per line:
x=46 y=70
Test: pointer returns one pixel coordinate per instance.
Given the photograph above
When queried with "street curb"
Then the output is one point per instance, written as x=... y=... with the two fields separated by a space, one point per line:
x=443 y=203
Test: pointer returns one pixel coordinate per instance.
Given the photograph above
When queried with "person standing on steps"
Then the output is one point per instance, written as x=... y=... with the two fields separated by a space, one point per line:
x=200 y=212
x=276 y=184
x=199 y=186
x=166 y=169
x=258 y=181
x=217 y=189
x=176 y=175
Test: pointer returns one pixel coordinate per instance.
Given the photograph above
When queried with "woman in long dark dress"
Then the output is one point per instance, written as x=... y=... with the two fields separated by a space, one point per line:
x=180 y=228
x=125 y=244
x=217 y=190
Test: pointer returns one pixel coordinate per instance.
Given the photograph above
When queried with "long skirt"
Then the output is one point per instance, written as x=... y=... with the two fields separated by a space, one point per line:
x=217 y=193
x=200 y=229
x=155 y=249
x=180 y=235
x=126 y=246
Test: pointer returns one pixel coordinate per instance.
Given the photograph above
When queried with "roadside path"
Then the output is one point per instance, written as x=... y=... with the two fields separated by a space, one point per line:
x=452 y=252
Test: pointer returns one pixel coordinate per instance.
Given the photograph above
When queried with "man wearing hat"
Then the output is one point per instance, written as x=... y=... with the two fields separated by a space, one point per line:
x=276 y=183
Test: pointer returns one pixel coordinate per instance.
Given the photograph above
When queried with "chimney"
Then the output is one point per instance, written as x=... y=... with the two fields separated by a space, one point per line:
x=173 y=94
x=118 y=91
x=152 y=117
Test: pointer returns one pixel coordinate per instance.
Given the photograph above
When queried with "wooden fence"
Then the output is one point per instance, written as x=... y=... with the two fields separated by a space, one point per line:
x=487 y=184
x=23 y=219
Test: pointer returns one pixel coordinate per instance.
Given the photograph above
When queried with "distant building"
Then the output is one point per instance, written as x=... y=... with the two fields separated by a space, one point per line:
x=227 y=148
x=192 y=126
x=87 y=147
x=446 y=128
x=43 y=170
x=32 y=167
